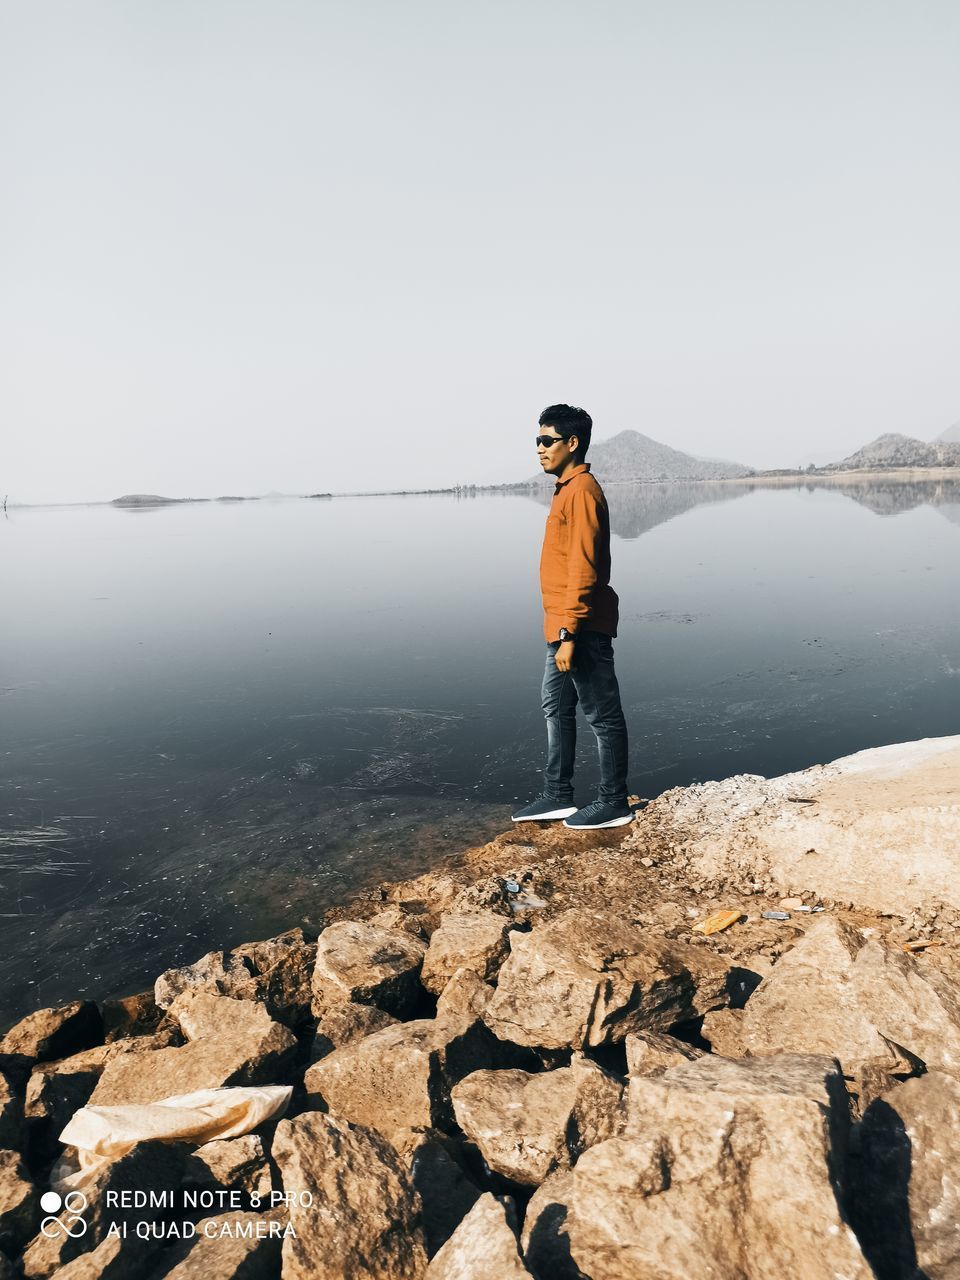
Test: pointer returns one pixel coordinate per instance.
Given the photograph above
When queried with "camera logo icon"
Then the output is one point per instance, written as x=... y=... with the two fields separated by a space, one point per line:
x=70 y=1222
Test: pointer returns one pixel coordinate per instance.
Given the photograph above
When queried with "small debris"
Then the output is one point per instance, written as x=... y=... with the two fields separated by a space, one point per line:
x=527 y=902
x=791 y=904
x=646 y=862
x=921 y=944
x=511 y=886
x=719 y=921
x=775 y=915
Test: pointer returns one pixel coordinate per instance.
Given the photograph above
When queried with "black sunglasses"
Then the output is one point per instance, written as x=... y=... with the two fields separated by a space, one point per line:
x=547 y=441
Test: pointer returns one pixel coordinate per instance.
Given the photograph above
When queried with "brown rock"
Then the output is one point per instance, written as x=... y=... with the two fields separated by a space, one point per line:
x=19 y=1203
x=48 y=1034
x=650 y=1053
x=277 y=973
x=150 y=1166
x=483 y=1247
x=56 y=1090
x=365 y=1223
x=136 y=1015
x=727 y=1173
x=359 y=963
x=526 y=1126
x=250 y=1248
x=11 y=1115
x=438 y=1169
x=905 y=1196
x=231 y=1164
x=590 y=978
x=465 y=996
x=475 y=941
x=343 y=1024
x=872 y=1007
x=401 y=1077
x=114 y=1258
x=230 y=1042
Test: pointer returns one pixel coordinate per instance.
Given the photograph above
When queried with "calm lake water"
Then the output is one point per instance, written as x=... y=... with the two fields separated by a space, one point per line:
x=217 y=719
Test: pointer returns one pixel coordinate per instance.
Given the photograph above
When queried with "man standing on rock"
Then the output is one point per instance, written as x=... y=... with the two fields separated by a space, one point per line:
x=580 y=620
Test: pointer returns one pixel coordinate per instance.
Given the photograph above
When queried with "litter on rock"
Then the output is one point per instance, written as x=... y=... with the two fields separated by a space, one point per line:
x=775 y=915
x=511 y=886
x=921 y=944
x=719 y=921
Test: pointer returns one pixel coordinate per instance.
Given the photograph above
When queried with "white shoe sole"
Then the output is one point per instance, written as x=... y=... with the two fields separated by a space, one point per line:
x=552 y=816
x=596 y=826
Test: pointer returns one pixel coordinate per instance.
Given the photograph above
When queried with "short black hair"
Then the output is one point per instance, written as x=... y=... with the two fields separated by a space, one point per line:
x=567 y=420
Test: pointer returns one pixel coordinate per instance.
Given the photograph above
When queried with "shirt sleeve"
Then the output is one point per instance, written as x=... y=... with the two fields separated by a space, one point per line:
x=583 y=547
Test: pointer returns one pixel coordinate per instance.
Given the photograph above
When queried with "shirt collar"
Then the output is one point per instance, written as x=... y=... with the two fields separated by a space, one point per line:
x=577 y=470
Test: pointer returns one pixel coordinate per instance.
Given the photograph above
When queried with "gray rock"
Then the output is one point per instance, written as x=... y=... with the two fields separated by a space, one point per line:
x=243 y=1254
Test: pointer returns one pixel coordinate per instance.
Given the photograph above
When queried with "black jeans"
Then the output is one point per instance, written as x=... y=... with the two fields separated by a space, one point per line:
x=592 y=683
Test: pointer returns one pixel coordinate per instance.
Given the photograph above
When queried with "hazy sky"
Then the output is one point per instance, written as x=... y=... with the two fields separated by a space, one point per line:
x=254 y=246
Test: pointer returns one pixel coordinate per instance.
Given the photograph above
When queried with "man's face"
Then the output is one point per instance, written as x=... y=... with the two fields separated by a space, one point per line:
x=556 y=455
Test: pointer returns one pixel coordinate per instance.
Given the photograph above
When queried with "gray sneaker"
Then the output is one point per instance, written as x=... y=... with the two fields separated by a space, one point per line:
x=600 y=814
x=544 y=809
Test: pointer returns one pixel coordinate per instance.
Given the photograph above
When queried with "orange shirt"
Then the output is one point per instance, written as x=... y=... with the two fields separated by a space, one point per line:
x=575 y=561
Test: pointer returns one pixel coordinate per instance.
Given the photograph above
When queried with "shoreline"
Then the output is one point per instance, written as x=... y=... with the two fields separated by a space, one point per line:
x=508 y=1033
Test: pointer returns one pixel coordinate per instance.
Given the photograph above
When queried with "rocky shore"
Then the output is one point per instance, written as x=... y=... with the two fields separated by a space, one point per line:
x=722 y=1046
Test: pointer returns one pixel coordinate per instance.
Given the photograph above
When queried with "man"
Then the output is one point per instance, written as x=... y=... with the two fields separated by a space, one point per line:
x=580 y=620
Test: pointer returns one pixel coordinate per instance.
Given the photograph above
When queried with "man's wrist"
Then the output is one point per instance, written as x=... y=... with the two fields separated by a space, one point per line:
x=567 y=636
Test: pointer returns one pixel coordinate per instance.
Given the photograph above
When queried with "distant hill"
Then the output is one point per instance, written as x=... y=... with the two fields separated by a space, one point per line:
x=951 y=435
x=630 y=456
x=899 y=451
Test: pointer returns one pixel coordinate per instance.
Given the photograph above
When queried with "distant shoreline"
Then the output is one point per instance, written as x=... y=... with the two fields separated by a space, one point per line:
x=766 y=479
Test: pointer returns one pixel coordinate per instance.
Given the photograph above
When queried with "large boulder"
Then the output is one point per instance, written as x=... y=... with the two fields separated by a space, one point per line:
x=905 y=1193
x=590 y=978
x=483 y=1247
x=364 y=1223
x=881 y=1012
x=48 y=1034
x=229 y=1042
x=526 y=1126
x=728 y=1171
x=476 y=941
x=401 y=1077
x=361 y=963
x=277 y=973
x=19 y=1202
